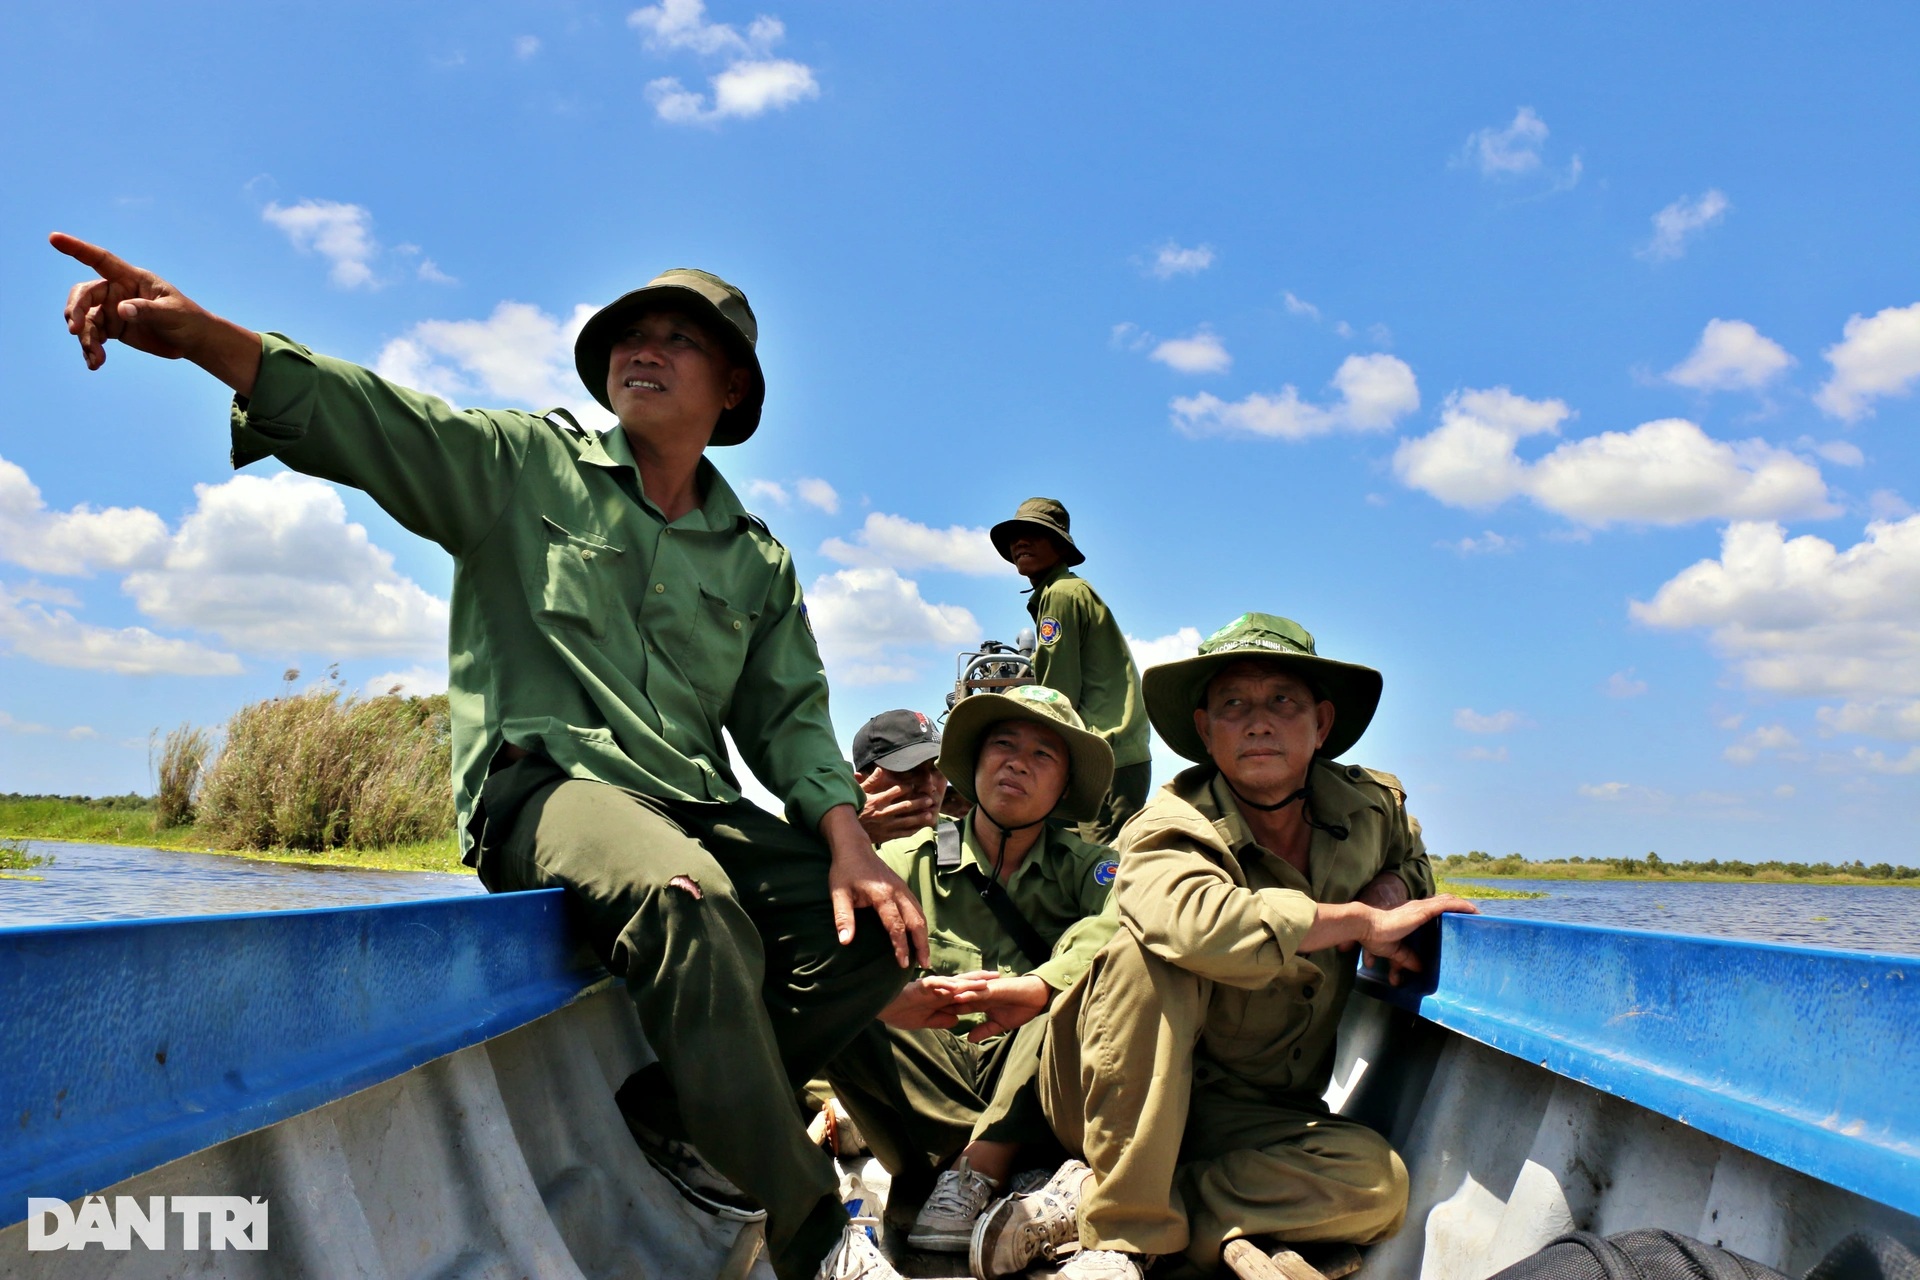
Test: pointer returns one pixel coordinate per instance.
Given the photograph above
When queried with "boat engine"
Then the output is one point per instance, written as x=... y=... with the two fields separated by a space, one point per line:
x=994 y=666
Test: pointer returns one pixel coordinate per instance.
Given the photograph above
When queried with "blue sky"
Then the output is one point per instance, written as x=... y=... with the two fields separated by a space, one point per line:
x=1559 y=362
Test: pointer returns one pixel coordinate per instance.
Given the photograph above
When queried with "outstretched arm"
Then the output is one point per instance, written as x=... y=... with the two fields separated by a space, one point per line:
x=137 y=307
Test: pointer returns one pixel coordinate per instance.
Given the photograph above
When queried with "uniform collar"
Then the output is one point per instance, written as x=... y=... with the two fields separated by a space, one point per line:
x=719 y=511
x=971 y=854
x=1037 y=585
x=1334 y=799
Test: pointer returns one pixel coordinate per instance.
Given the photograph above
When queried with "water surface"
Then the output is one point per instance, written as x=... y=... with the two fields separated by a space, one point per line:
x=1850 y=916
x=115 y=882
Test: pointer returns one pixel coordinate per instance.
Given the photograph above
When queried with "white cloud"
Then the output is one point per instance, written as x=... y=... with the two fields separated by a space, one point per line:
x=1771 y=737
x=1876 y=356
x=1493 y=755
x=525 y=47
x=771 y=490
x=519 y=356
x=1732 y=355
x=1171 y=260
x=1373 y=392
x=752 y=84
x=816 y=492
x=73 y=542
x=1663 y=472
x=413 y=682
x=681 y=25
x=1201 y=353
x=78 y=733
x=1623 y=793
x=1183 y=643
x=1300 y=307
x=1488 y=543
x=1510 y=151
x=1492 y=722
x=1885 y=504
x=1680 y=221
x=870 y=622
x=340 y=233
x=1516 y=151
x=895 y=542
x=58 y=639
x=1880 y=762
x=270 y=564
x=1842 y=453
x=1623 y=684
x=1878 y=718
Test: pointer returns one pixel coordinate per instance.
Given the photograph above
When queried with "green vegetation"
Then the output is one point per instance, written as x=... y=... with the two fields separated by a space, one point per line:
x=16 y=863
x=1654 y=867
x=319 y=776
x=1463 y=889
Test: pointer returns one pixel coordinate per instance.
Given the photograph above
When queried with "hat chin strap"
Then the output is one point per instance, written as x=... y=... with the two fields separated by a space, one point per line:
x=1000 y=854
x=1334 y=829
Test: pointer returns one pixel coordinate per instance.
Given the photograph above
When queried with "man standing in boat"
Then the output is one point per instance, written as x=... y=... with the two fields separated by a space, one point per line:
x=1080 y=650
x=1017 y=906
x=614 y=609
x=1196 y=1049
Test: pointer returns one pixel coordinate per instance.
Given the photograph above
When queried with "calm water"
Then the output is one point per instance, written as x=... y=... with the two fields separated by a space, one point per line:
x=109 y=882
x=1853 y=917
x=102 y=882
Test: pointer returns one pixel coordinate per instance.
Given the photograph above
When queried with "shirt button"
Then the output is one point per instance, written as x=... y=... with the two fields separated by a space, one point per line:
x=659 y=587
x=1306 y=993
x=736 y=624
x=1296 y=1055
x=586 y=555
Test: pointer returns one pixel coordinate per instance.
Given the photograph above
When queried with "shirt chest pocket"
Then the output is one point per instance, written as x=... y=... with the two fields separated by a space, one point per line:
x=579 y=579
x=721 y=636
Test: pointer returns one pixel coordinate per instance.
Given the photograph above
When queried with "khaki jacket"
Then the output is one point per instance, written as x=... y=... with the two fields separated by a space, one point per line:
x=585 y=627
x=1198 y=892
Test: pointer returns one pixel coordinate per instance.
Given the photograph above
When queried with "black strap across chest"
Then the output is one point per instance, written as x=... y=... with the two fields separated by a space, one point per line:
x=993 y=893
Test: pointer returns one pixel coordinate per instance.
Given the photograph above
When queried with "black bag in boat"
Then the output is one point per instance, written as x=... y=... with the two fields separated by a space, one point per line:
x=1662 y=1255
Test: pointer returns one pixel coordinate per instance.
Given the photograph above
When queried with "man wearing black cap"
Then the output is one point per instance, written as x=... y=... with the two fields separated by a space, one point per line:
x=894 y=758
x=1081 y=651
x=614 y=609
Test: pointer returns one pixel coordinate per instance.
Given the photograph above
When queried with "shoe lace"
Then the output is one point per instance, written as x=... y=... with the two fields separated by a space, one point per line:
x=1053 y=1224
x=959 y=1194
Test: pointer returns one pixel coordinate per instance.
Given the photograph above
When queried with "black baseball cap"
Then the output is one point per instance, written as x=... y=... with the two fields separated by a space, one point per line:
x=895 y=740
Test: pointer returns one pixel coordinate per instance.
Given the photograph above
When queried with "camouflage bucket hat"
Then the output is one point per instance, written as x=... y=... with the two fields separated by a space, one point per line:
x=708 y=299
x=1089 y=758
x=1045 y=514
x=1175 y=690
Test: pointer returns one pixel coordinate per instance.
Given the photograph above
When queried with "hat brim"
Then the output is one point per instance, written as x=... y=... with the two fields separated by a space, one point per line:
x=1089 y=758
x=1004 y=533
x=911 y=756
x=1175 y=690
x=594 y=347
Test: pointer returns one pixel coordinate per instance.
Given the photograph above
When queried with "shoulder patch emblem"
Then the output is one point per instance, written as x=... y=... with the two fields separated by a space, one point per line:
x=1049 y=630
x=1103 y=874
x=806 y=621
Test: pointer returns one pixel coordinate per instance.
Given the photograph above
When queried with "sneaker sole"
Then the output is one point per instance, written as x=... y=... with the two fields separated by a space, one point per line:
x=977 y=1242
x=703 y=1201
x=942 y=1241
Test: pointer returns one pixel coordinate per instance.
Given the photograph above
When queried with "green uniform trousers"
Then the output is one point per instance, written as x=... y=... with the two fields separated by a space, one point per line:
x=1186 y=1156
x=1124 y=798
x=743 y=990
x=920 y=1096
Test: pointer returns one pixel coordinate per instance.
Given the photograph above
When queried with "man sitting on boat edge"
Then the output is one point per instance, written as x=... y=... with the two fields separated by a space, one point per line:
x=1017 y=905
x=614 y=607
x=1203 y=1035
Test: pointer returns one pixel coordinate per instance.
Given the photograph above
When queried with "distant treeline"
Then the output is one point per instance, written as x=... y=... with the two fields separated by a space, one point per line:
x=128 y=803
x=1478 y=863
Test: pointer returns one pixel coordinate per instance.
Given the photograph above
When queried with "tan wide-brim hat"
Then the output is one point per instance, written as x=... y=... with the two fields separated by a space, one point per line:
x=1175 y=690
x=1047 y=515
x=707 y=298
x=1089 y=758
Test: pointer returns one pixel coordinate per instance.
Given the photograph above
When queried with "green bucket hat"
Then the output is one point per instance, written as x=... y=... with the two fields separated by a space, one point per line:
x=1045 y=514
x=708 y=299
x=1175 y=690
x=1089 y=758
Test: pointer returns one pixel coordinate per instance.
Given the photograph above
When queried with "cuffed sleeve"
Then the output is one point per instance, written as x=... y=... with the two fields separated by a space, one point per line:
x=779 y=718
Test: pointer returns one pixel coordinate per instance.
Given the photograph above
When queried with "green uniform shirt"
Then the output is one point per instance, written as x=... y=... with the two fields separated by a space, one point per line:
x=1080 y=650
x=1063 y=887
x=584 y=626
x=1200 y=893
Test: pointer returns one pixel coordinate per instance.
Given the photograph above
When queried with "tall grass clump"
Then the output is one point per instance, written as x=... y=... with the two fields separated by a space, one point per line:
x=177 y=761
x=324 y=770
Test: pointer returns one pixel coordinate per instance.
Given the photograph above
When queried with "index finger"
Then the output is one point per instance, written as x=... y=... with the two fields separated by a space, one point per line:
x=108 y=264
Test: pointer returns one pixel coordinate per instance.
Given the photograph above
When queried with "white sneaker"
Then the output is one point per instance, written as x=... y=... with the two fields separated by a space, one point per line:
x=1021 y=1230
x=1102 y=1264
x=856 y=1257
x=945 y=1223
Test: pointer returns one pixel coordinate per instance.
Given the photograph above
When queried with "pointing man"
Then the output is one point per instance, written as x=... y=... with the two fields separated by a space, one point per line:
x=614 y=609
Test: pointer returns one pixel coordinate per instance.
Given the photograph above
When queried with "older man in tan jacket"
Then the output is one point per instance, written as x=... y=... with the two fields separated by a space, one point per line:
x=1203 y=1035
